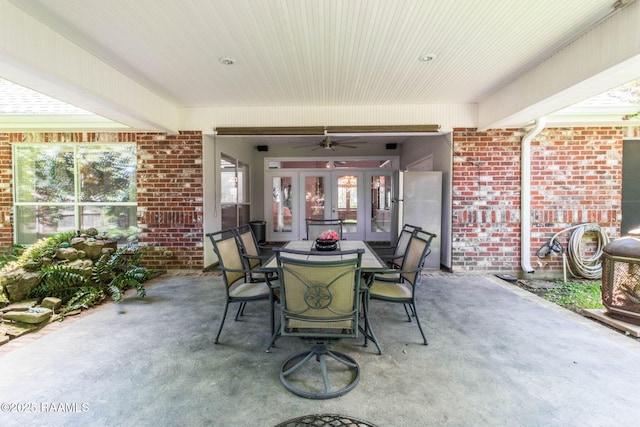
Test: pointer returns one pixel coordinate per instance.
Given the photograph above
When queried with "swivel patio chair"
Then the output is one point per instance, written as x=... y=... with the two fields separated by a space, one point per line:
x=238 y=286
x=315 y=227
x=403 y=289
x=319 y=295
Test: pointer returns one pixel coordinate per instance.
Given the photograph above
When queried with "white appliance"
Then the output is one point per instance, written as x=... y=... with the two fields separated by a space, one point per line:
x=417 y=200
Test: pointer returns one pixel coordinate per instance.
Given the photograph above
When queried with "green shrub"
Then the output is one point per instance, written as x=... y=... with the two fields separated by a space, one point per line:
x=10 y=255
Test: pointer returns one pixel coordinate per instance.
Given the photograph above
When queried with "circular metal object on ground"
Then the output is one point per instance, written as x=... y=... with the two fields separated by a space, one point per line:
x=328 y=420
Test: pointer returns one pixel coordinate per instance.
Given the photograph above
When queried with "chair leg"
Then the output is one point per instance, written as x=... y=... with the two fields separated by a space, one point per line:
x=240 y=311
x=224 y=315
x=413 y=307
x=367 y=331
x=407 y=311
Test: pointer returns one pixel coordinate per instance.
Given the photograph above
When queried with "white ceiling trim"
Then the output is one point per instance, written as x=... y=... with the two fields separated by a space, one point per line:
x=37 y=57
x=573 y=74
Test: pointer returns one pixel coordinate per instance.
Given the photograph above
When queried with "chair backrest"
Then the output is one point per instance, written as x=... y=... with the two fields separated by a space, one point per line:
x=319 y=292
x=315 y=227
x=417 y=250
x=227 y=249
x=404 y=237
x=249 y=244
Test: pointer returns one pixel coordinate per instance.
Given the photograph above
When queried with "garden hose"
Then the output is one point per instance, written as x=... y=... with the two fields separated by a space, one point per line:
x=579 y=265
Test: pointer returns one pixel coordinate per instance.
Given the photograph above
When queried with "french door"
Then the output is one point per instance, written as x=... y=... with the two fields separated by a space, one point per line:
x=362 y=199
x=333 y=195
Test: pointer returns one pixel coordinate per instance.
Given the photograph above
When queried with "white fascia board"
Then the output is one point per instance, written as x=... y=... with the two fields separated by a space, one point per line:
x=34 y=56
x=605 y=57
x=45 y=122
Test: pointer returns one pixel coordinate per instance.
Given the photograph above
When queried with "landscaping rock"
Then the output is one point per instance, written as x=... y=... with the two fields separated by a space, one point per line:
x=84 y=265
x=31 y=316
x=70 y=254
x=93 y=248
x=18 y=283
x=32 y=265
x=52 y=303
x=74 y=312
x=20 y=306
x=4 y=339
x=15 y=330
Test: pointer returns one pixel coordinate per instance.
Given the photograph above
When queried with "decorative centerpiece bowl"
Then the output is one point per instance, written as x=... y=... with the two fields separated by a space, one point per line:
x=326 y=244
x=327 y=241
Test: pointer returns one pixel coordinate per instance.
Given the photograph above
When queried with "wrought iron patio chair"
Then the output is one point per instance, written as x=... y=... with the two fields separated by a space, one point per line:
x=403 y=290
x=320 y=302
x=253 y=255
x=393 y=255
x=238 y=286
x=315 y=227
x=397 y=252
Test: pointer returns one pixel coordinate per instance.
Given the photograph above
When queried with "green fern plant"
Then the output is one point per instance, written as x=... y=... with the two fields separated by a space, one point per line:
x=110 y=276
x=84 y=297
x=60 y=281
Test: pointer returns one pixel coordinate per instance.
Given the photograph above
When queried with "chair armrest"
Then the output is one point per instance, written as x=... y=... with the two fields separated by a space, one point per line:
x=260 y=257
x=390 y=257
x=235 y=270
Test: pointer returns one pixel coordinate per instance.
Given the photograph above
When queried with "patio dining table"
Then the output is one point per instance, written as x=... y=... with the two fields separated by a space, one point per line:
x=371 y=263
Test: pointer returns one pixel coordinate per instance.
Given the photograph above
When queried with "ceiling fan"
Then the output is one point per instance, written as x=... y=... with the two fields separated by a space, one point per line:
x=328 y=144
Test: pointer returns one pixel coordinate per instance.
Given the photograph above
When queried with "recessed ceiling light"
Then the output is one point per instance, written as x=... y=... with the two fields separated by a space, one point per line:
x=427 y=57
x=226 y=61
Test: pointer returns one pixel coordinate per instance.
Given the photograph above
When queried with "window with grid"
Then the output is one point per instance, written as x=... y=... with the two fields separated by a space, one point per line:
x=60 y=188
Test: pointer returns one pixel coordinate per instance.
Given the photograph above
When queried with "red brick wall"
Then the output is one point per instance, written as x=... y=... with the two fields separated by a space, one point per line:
x=170 y=196
x=170 y=199
x=576 y=177
x=6 y=192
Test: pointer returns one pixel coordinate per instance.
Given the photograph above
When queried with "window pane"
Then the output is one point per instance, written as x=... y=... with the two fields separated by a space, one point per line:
x=282 y=204
x=119 y=222
x=44 y=174
x=369 y=164
x=380 y=204
x=299 y=164
x=243 y=183
x=107 y=174
x=348 y=201
x=314 y=197
x=228 y=180
x=35 y=222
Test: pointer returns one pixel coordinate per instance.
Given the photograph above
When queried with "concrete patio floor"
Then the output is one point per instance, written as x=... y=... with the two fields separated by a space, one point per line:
x=497 y=356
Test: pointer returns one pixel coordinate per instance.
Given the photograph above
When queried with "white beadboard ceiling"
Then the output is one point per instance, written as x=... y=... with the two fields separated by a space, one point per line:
x=330 y=53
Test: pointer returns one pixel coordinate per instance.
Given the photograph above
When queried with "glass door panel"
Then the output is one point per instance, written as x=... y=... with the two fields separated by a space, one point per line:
x=314 y=197
x=281 y=211
x=378 y=206
x=348 y=197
